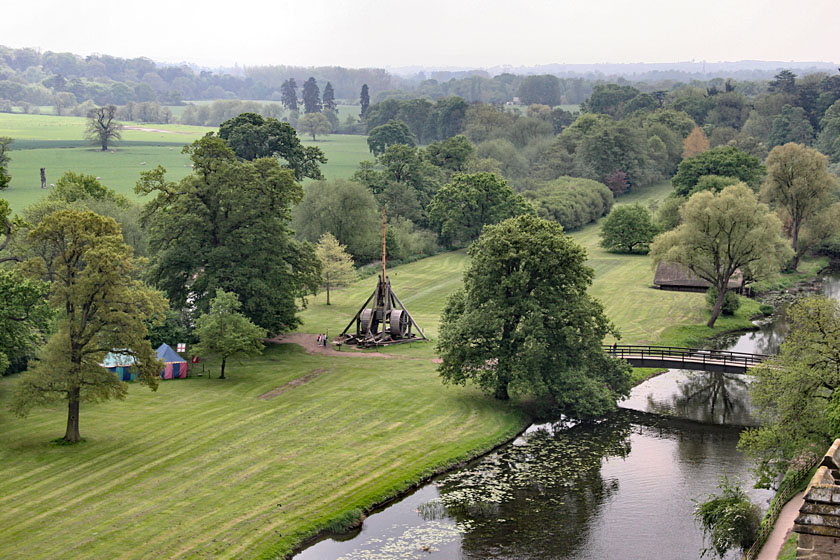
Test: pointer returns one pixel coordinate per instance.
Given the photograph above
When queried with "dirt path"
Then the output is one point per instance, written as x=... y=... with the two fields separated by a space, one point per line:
x=310 y=344
x=782 y=528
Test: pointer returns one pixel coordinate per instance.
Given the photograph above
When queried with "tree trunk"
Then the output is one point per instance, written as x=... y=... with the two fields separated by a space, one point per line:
x=502 y=390
x=718 y=305
x=72 y=434
x=104 y=146
x=222 y=376
x=328 y=294
x=794 y=262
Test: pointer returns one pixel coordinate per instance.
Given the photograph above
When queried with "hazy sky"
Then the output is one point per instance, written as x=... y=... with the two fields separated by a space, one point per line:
x=359 y=33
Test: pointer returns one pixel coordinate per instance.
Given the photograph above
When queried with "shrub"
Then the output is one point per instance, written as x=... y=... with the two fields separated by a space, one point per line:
x=729 y=520
x=731 y=303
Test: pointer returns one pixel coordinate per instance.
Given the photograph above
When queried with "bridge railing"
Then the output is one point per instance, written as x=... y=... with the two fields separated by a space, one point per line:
x=683 y=354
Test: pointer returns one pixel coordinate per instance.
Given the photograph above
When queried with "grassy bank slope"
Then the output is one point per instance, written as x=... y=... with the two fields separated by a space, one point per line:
x=203 y=468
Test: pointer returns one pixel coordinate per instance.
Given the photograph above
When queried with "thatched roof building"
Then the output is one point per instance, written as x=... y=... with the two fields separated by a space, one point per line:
x=674 y=276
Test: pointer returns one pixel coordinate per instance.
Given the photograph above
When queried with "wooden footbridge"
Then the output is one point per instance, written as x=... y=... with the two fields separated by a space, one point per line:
x=676 y=357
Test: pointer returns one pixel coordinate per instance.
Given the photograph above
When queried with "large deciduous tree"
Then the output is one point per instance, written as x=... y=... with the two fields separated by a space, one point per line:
x=253 y=136
x=103 y=128
x=5 y=179
x=345 y=209
x=722 y=233
x=460 y=209
x=225 y=332
x=524 y=323
x=799 y=185
x=101 y=308
x=797 y=392
x=315 y=124
x=628 y=227
x=388 y=134
x=226 y=227
x=336 y=264
x=726 y=161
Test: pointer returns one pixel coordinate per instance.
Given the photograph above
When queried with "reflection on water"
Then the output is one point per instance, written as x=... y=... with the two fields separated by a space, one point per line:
x=620 y=488
x=714 y=398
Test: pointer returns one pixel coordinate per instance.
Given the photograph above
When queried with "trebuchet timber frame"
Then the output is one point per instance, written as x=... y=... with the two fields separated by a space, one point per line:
x=386 y=321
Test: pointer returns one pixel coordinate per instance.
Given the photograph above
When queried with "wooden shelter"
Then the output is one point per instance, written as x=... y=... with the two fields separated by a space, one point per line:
x=674 y=276
x=383 y=319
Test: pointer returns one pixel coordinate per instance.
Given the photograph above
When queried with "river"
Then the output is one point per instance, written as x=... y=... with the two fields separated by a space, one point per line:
x=622 y=488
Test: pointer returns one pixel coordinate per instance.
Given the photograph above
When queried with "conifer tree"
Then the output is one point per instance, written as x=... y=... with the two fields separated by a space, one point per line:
x=329 y=98
x=695 y=143
x=288 y=94
x=311 y=96
x=364 y=101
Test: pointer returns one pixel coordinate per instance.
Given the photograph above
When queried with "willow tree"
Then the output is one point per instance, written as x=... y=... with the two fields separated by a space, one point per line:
x=721 y=234
x=799 y=185
x=100 y=306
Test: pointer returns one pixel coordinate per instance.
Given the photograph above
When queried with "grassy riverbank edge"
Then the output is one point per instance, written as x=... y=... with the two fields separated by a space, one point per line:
x=352 y=518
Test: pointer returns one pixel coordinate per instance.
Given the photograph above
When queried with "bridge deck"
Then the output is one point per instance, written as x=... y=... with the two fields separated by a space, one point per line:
x=686 y=358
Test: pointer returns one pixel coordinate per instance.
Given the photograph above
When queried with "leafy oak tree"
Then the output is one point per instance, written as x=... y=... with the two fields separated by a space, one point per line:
x=226 y=227
x=103 y=128
x=225 y=332
x=460 y=209
x=253 y=136
x=314 y=124
x=101 y=308
x=722 y=233
x=388 y=134
x=726 y=161
x=628 y=227
x=524 y=323
x=5 y=179
x=336 y=264
x=799 y=185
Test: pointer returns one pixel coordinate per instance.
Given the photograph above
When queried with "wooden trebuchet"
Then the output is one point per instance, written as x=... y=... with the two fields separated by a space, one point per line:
x=383 y=318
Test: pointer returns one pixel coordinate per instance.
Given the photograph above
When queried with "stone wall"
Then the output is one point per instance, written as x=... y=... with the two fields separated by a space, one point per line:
x=818 y=523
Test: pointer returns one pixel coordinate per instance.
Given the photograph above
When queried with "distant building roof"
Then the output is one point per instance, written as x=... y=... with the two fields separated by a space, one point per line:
x=675 y=275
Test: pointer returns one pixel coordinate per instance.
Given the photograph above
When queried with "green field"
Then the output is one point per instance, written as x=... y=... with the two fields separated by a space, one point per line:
x=57 y=144
x=203 y=468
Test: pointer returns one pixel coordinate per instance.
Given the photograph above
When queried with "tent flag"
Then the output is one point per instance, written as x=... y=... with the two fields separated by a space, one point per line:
x=174 y=365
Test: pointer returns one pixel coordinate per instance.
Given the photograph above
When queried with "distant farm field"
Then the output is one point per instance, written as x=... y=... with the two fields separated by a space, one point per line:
x=57 y=144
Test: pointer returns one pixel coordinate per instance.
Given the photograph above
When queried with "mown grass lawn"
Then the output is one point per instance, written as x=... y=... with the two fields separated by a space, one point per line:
x=203 y=468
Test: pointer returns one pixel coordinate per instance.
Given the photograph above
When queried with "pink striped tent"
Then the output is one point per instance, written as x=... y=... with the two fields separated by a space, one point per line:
x=174 y=365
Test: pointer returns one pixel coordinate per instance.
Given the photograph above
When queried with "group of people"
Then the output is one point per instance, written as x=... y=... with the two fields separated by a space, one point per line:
x=322 y=340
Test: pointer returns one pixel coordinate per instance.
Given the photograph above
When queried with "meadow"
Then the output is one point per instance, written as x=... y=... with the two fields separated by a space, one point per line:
x=204 y=468
x=58 y=145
